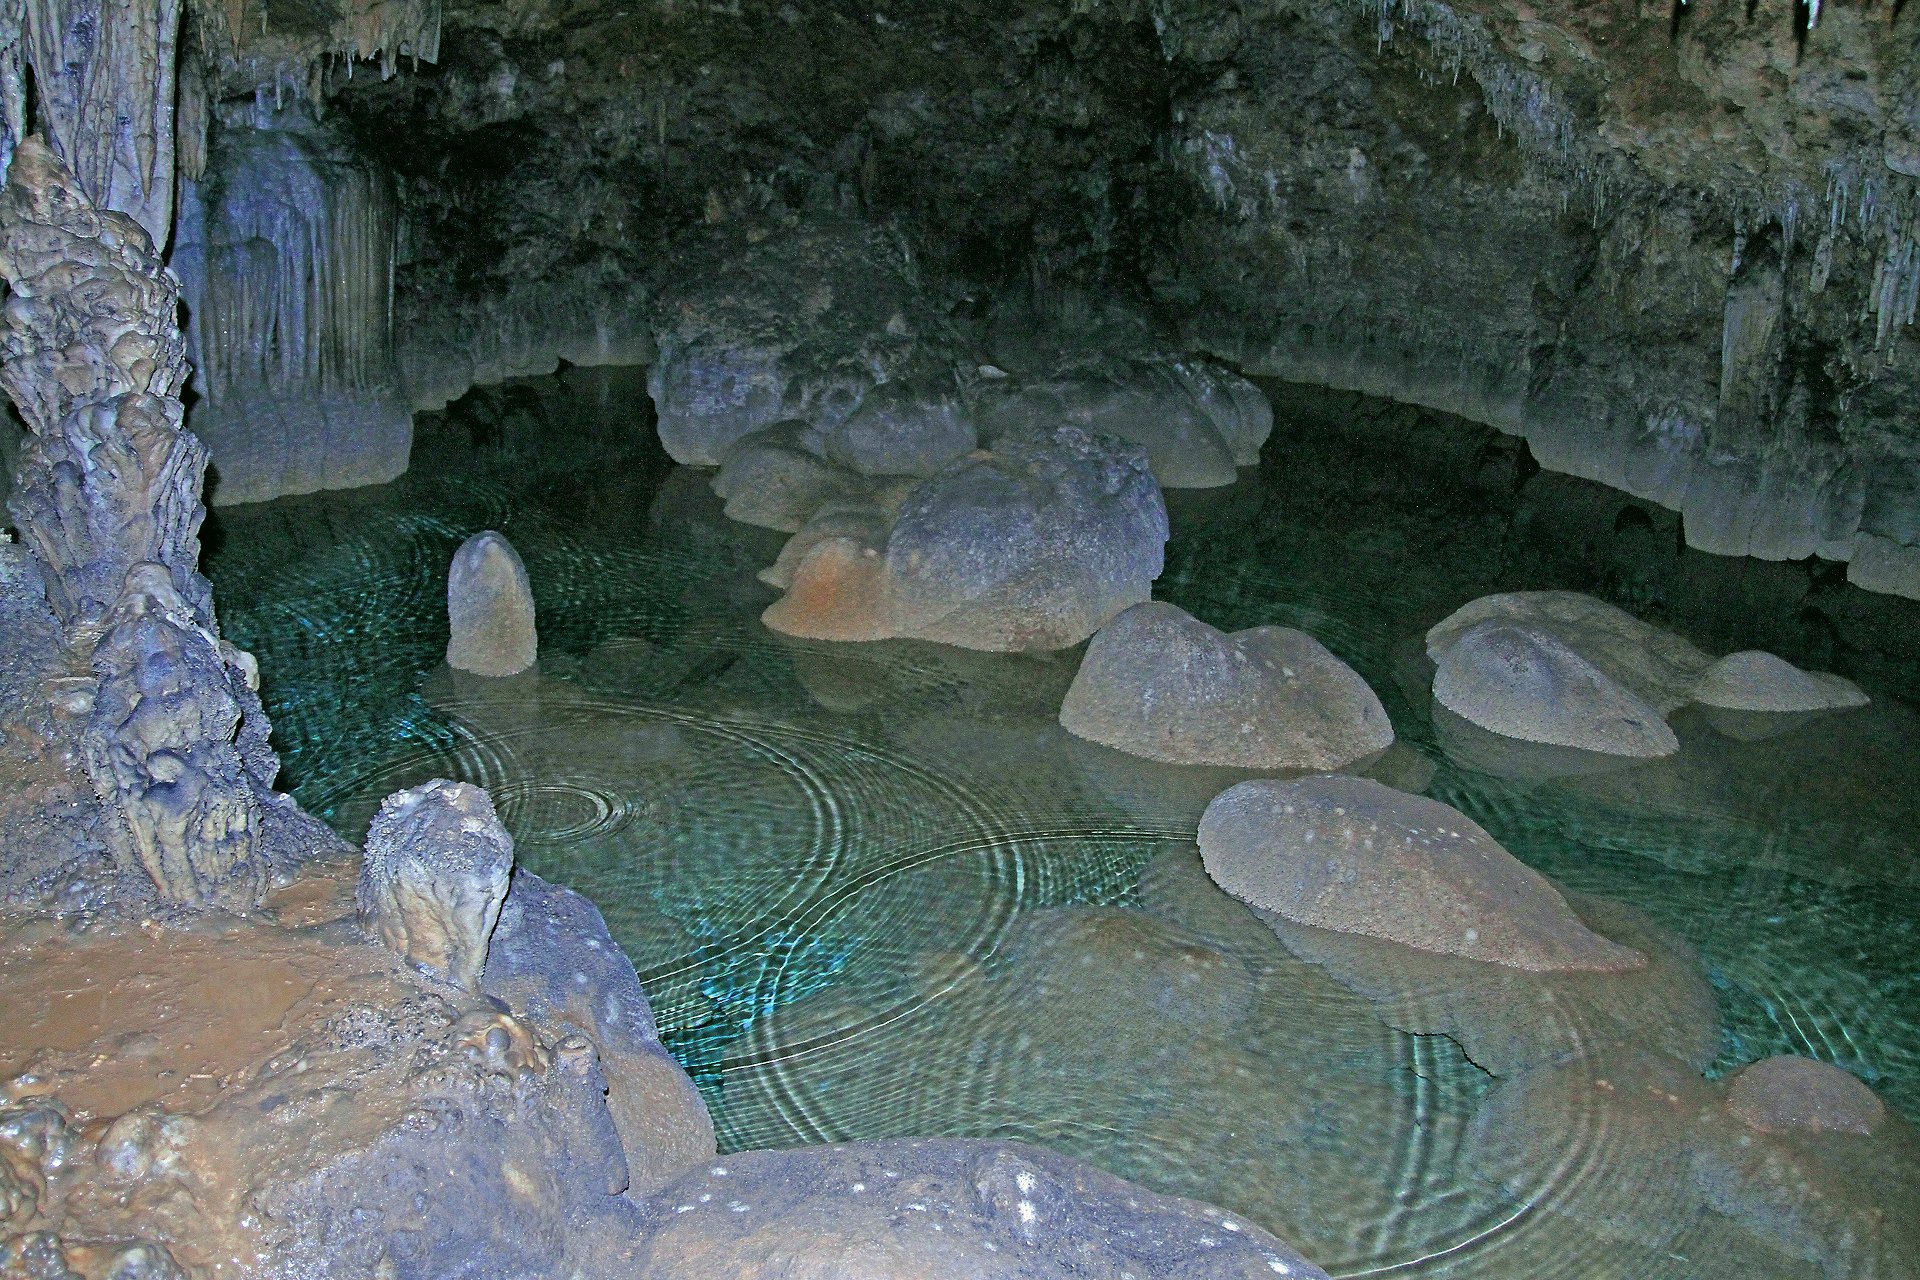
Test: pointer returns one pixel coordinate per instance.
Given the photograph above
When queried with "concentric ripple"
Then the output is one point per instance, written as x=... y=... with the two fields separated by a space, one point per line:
x=875 y=890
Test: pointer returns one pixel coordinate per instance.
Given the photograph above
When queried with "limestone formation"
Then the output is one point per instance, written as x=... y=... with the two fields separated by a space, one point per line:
x=944 y=1209
x=776 y=478
x=490 y=609
x=167 y=712
x=107 y=498
x=1665 y=1159
x=434 y=878
x=903 y=428
x=802 y=324
x=551 y=956
x=1652 y=664
x=104 y=82
x=372 y=1121
x=1158 y=682
x=1033 y=545
x=1196 y=422
x=1754 y=680
x=1527 y=684
x=1791 y=1094
x=93 y=358
x=286 y=257
x=1353 y=856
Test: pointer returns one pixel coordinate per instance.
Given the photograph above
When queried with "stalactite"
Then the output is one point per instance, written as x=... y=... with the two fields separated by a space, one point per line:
x=107 y=497
x=104 y=75
x=13 y=80
x=284 y=252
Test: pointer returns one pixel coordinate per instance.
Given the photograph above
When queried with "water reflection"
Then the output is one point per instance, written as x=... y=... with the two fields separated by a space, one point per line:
x=876 y=890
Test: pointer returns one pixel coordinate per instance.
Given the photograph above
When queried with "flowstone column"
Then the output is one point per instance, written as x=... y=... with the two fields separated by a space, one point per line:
x=107 y=496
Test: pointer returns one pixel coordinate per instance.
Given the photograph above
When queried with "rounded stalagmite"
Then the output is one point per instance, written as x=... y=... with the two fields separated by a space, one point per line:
x=490 y=609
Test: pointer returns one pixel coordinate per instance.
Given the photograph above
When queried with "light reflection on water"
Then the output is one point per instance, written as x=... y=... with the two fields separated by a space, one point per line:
x=875 y=890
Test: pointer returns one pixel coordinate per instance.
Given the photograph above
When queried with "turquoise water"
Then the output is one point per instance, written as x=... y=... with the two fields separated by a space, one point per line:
x=875 y=890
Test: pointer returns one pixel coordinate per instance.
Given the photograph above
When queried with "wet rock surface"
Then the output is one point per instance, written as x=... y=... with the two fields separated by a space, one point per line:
x=1349 y=855
x=941 y=1209
x=1159 y=683
x=434 y=877
x=1032 y=545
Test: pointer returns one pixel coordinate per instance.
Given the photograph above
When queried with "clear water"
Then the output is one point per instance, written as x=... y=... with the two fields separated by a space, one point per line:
x=875 y=890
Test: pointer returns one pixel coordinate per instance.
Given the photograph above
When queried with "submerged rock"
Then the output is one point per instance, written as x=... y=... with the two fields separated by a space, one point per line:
x=1526 y=684
x=1754 y=680
x=434 y=877
x=1789 y=1093
x=490 y=609
x=1664 y=1158
x=1353 y=856
x=941 y=1209
x=1030 y=546
x=1158 y=682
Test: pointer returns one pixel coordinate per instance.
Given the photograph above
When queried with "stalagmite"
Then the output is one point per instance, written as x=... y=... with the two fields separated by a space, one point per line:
x=107 y=498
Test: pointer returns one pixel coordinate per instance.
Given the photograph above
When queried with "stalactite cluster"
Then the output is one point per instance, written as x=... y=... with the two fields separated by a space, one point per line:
x=107 y=497
x=104 y=84
x=287 y=253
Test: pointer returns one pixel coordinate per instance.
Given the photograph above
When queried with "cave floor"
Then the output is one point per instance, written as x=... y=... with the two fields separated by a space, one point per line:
x=875 y=890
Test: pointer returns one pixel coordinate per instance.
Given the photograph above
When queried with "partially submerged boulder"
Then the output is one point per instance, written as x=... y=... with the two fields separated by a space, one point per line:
x=1527 y=684
x=1354 y=856
x=1158 y=682
x=903 y=428
x=1652 y=664
x=1755 y=680
x=941 y=1209
x=490 y=609
x=434 y=877
x=1030 y=546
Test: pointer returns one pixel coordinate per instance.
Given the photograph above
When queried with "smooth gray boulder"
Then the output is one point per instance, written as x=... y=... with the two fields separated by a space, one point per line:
x=1755 y=680
x=1032 y=545
x=434 y=877
x=490 y=617
x=1354 y=856
x=1526 y=684
x=776 y=478
x=941 y=1209
x=1654 y=665
x=1158 y=682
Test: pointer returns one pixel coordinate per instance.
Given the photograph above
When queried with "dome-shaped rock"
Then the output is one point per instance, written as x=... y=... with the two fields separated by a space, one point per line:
x=1354 y=856
x=1527 y=684
x=1755 y=680
x=1158 y=682
x=1654 y=665
x=490 y=609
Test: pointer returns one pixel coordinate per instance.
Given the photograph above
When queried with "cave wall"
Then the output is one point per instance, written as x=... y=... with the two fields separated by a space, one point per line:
x=1676 y=249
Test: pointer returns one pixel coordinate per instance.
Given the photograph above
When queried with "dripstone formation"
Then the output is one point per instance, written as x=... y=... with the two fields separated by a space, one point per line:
x=107 y=498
